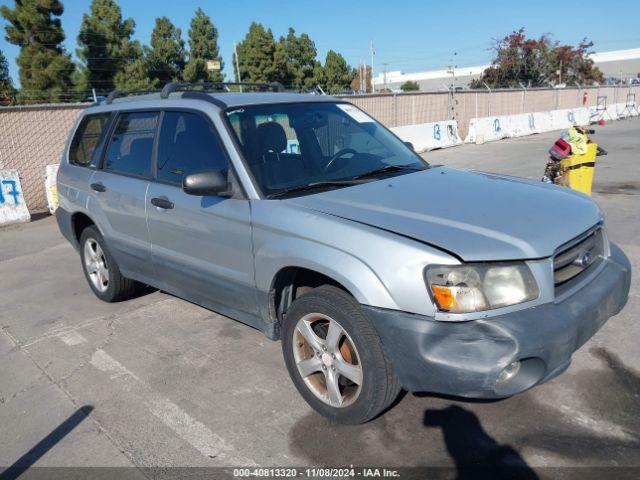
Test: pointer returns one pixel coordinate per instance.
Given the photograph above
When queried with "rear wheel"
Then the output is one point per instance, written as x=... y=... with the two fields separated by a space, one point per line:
x=101 y=270
x=335 y=358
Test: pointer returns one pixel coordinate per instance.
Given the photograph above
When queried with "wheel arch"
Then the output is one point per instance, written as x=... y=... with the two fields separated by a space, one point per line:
x=79 y=222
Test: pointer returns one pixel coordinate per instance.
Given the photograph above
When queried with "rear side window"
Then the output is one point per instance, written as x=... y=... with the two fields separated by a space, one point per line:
x=131 y=144
x=188 y=143
x=87 y=138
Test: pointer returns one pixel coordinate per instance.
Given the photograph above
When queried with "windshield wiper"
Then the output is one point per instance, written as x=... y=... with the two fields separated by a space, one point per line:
x=314 y=186
x=386 y=169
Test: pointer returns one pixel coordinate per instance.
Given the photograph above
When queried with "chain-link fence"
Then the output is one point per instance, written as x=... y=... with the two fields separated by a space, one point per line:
x=32 y=137
x=398 y=109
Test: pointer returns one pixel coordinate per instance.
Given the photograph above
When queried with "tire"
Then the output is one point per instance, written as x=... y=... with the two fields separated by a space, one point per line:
x=359 y=350
x=109 y=285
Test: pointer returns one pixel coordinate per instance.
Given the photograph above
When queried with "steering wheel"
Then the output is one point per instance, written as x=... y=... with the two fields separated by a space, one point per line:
x=345 y=151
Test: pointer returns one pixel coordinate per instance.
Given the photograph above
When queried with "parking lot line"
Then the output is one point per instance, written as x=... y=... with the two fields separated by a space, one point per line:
x=192 y=431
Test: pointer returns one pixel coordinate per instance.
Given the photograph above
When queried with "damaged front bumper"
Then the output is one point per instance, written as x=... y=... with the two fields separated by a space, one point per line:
x=467 y=358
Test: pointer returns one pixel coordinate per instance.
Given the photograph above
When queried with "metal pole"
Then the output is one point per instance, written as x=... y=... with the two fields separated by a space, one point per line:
x=235 y=51
x=395 y=109
x=524 y=96
x=488 y=99
x=373 y=87
x=476 y=105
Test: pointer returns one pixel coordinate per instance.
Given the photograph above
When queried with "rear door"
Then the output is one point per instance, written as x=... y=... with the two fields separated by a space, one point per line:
x=201 y=246
x=120 y=188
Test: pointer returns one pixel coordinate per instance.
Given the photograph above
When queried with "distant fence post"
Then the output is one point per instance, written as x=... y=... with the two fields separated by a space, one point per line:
x=413 y=109
x=476 y=105
x=524 y=97
x=395 y=109
x=488 y=99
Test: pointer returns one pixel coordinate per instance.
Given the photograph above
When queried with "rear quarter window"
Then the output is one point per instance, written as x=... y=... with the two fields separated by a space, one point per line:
x=87 y=137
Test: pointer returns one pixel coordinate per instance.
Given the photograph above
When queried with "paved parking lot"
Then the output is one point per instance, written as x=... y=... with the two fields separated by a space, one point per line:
x=156 y=381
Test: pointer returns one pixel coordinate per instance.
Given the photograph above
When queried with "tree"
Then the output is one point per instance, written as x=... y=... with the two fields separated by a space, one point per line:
x=165 y=59
x=260 y=57
x=336 y=75
x=45 y=68
x=136 y=75
x=300 y=60
x=538 y=62
x=203 y=46
x=410 y=86
x=7 y=92
x=105 y=46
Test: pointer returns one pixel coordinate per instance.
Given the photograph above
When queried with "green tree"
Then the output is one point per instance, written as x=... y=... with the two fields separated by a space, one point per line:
x=203 y=46
x=260 y=57
x=536 y=63
x=45 y=68
x=105 y=46
x=336 y=75
x=7 y=92
x=165 y=59
x=136 y=75
x=410 y=86
x=299 y=60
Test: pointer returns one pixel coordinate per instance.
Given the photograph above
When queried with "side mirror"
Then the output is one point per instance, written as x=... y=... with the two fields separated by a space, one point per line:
x=206 y=183
x=410 y=145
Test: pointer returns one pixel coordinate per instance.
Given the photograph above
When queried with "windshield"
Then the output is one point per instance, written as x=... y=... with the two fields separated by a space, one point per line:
x=307 y=146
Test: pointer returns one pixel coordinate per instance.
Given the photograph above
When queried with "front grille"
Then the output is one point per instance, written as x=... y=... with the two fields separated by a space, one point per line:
x=577 y=258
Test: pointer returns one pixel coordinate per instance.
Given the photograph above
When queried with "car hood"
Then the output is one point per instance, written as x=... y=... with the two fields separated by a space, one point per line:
x=476 y=216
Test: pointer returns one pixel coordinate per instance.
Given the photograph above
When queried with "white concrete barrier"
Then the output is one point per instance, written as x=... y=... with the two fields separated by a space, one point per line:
x=50 y=185
x=429 y=136
x=488 y=129
x=13 y=208
x=542 y=122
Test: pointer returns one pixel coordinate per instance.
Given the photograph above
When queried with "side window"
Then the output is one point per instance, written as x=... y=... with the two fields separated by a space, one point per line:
x=188 y=144
x=87 y=137
x=131 y=144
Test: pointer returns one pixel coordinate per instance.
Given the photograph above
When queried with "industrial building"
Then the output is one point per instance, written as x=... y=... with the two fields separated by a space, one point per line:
x=616 y=64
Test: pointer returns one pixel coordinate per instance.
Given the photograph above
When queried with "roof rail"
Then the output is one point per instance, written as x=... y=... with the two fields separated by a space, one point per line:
x=124 y=93
x=169 y=88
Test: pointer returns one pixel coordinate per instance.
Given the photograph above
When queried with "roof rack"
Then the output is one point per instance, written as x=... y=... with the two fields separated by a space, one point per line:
x=169 y=88
x=124 y=93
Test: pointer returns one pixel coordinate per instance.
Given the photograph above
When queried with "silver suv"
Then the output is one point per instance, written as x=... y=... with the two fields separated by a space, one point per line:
x=303 y=217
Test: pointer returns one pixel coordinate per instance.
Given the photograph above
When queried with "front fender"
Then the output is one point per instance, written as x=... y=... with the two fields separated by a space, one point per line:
x=276 y=252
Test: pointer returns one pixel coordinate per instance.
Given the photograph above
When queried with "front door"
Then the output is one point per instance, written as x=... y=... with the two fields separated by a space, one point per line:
x=201 y=246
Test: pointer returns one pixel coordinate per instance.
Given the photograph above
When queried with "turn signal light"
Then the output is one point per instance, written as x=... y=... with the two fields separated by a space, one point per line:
x=443 y=297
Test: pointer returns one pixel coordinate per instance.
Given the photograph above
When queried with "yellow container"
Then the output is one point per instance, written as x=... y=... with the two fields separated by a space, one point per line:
x=576 y=171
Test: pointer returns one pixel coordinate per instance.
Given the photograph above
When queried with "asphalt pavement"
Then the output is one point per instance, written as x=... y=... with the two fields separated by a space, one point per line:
x=159 y=382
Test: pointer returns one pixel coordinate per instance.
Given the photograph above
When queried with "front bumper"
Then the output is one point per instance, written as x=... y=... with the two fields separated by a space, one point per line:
x=466 y=358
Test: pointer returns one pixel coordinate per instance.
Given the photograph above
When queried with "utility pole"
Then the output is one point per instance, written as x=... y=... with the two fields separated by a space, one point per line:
x=384 y=75
x=235 y=51
x=373 y=52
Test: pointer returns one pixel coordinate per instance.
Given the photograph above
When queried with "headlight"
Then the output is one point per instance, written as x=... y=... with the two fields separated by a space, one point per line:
x=482 y=286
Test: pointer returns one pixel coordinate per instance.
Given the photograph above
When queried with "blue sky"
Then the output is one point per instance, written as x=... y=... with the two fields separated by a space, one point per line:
x=408 y=35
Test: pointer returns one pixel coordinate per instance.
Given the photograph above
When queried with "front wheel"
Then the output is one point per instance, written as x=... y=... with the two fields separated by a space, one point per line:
x=335 y=358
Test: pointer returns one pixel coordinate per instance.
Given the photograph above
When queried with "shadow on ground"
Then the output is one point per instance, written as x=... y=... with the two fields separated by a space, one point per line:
x=437 y=431
x=25 y=462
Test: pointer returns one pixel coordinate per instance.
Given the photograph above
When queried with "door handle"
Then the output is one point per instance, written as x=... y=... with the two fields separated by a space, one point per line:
x=162 y=203
x=98 y=187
